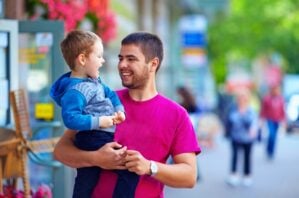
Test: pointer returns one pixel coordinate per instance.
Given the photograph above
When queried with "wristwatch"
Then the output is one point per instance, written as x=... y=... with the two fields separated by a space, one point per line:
x=153 y=168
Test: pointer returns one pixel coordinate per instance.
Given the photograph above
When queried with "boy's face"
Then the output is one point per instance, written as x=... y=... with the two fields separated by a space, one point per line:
x=94 y=60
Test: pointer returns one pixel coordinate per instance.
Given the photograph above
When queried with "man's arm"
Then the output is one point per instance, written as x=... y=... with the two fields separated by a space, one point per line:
x=108 y=157
x=181 y=174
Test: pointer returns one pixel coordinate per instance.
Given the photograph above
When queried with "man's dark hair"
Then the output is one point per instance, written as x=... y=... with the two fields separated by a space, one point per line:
x=150 y=45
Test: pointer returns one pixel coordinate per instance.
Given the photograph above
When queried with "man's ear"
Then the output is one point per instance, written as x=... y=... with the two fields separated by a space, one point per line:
x=81 y=59
x=154 y=64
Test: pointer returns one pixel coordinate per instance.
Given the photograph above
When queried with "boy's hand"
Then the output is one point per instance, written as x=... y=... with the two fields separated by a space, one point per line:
x=119 y=117
x=106 y=121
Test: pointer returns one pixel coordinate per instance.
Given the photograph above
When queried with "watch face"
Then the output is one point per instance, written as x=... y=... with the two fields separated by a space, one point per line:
x=154 y=168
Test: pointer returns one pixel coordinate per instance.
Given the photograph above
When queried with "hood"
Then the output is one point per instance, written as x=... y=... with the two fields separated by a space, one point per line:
x=62 y=85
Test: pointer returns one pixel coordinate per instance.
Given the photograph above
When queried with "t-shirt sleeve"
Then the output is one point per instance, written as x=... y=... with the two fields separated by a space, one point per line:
x=185 y=140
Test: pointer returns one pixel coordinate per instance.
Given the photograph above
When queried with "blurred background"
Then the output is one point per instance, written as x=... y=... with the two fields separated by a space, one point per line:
x=212 y=48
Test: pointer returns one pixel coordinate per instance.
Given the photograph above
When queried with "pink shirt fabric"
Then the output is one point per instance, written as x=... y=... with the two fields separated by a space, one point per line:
x=157 y=128
x=273 y=108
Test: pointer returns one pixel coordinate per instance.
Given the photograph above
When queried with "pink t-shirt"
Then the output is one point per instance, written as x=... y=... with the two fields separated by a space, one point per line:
x=157 y=128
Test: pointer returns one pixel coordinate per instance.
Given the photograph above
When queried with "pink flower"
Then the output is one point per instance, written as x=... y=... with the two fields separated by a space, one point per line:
x=106 y=27
x=72 y=12
x=43 y=191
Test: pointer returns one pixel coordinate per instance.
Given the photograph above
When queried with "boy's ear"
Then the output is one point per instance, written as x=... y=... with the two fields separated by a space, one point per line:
x=81 y=59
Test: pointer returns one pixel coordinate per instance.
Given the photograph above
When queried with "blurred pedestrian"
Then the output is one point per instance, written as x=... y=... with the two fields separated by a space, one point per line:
x=273 y=113
x=242 y=124
x=208 y=127
x=187 y=100
x=225 y=104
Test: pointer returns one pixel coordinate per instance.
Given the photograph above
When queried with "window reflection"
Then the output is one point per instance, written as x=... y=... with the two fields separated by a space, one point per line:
x=3 y=78
x=35 y=63
x=35 y=66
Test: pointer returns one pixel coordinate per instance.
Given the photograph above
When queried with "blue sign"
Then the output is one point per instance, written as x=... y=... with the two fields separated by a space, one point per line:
x=193 y=39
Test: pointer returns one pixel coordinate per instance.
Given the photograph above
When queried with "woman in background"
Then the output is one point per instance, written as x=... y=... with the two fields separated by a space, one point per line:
x=242 y=126
x=273 y=113
x=187 y=100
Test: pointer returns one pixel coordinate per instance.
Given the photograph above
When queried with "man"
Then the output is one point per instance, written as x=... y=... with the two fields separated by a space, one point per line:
x=155 y=128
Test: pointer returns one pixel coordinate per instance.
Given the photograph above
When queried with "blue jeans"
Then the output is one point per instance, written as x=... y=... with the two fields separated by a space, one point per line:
x=246 y=149
x=88 y=177
x=273 y=128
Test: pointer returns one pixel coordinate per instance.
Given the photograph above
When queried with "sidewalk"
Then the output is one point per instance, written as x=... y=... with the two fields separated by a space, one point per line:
x=276 y=179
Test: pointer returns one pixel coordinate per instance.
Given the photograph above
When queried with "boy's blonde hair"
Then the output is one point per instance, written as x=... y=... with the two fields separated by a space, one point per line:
x=77 y=42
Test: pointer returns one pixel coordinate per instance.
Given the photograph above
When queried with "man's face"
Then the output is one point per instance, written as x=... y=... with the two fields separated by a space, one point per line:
x=133 y=70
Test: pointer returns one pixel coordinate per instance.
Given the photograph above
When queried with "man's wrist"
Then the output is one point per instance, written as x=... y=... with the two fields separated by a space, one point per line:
x=153 y=168
x=94 y=158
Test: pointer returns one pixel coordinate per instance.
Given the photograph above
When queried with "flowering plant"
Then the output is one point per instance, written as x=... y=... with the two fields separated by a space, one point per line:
x=76 y=14
x=102 y=19
x=43 y=191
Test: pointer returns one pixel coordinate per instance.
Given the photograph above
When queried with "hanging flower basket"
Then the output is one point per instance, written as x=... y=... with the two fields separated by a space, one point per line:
x=93 y=15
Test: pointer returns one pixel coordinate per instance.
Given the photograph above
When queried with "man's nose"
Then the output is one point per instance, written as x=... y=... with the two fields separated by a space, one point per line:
x=122 y=64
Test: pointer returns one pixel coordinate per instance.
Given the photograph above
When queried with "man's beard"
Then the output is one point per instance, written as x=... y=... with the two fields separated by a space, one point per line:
x=137 y=83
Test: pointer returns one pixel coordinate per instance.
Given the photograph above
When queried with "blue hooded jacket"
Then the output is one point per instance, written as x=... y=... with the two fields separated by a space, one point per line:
x=83 y=101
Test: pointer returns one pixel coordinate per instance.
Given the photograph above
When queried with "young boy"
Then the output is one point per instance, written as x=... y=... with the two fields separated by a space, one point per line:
x=89 y=107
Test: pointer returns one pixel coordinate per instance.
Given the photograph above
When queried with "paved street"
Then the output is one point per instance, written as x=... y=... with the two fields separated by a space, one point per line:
x=273 y=179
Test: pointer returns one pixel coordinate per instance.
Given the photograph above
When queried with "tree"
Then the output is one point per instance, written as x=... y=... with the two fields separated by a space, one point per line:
x=254 y=27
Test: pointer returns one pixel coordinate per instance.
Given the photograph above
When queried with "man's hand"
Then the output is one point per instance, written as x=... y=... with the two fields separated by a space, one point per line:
x=135 y=162
x=110 y=156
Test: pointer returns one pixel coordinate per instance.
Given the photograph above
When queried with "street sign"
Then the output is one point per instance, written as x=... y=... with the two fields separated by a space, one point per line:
x=193 y=41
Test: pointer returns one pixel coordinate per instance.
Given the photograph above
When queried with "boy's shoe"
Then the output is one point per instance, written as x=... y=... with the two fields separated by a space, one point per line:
x=233 y=180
